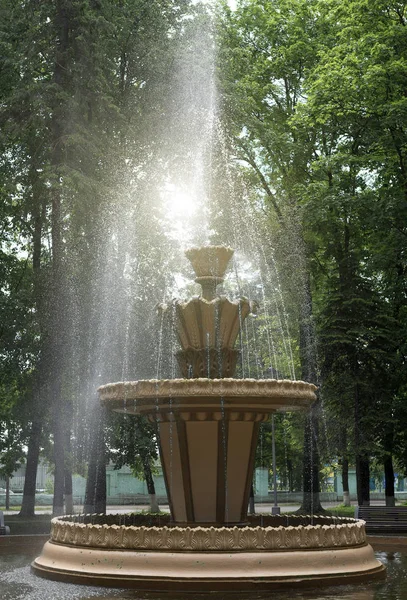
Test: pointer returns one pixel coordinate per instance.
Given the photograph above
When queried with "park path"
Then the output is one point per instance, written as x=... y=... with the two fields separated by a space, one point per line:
x=260 y=508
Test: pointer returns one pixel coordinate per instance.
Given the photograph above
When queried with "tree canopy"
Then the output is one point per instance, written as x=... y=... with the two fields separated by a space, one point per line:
x=288 y=120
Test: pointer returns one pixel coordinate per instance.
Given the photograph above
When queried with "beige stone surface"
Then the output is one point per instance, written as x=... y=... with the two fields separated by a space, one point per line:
x=182 y=571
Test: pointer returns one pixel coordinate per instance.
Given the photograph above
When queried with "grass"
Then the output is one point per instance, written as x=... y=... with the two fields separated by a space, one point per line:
x=28 y=525
x=342 y=511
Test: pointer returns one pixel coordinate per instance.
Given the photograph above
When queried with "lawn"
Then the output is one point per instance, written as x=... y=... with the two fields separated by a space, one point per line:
x=28 y=525
x=342 y=511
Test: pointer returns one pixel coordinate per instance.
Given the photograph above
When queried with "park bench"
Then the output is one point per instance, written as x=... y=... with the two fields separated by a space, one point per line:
x=4 y=529
x=383 y=519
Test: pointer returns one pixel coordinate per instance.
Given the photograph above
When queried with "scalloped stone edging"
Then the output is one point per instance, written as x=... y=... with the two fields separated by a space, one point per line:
x=342 y=533
x=203 y=387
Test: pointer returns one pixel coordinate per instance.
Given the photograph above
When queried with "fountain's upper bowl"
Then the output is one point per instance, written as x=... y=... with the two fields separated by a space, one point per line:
x=210 y=261
x=153 y=396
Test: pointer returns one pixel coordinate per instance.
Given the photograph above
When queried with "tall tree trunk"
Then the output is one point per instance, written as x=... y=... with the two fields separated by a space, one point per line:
x=361 y=459
x=345 y=481
x=345 y=461
x=388 y=443
x=39 y=404
x=290 y=475
x=310 y=468
x=389 y=480
x=59 y=455
x=69 y=508
x=363 y=479
x=30 y=481
x=311 y=503
x=252 y=507
x=90 y=491
x=7 y=492
x=58 y=313
x=95 y=494
x=150 y=485
x=100 y=488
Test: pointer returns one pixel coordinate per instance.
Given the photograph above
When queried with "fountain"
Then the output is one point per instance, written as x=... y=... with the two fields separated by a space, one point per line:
x=208 y=426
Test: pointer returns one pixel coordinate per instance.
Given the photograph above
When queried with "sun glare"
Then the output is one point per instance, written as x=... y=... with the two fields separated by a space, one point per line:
x=185 y=214
x=178 y=203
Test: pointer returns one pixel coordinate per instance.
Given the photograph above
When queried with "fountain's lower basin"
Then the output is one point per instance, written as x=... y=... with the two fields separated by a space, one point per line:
x=284 y=551
x=208 y=431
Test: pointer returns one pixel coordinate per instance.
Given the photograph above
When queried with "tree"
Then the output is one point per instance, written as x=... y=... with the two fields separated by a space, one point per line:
x=356 y=98
x=267 y=49
x=71 y=141
x=134 y=444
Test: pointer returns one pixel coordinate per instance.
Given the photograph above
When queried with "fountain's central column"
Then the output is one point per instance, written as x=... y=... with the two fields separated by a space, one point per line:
x=208 y=453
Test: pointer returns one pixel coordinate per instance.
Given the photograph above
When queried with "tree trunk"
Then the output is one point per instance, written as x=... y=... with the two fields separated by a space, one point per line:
x=311 y=500
x=345 y=482
x=95 y=495
x=311 y=489
x=361 y=459
x=59 y=457
x=90 y=493
x=33 y=453
x=69 y=508
x=60 y=114
x=100 y=488
x=363 y=480
x=389 y=480
x=38 y=405
x=290 y=475
x=150 y=485
x=7 y=493
x=252 y=509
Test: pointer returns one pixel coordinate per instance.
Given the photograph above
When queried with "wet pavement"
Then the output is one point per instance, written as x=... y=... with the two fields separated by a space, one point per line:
x=260 y=508
x=17 y=582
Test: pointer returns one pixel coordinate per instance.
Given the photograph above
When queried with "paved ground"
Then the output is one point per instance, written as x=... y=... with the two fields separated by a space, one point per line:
x=260 y=508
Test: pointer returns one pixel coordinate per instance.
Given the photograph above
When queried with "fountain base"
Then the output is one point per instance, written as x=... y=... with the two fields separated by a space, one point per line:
x=185 y=571
x=170 y=558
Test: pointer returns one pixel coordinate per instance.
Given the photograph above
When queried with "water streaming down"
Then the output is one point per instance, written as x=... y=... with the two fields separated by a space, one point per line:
x=208 y=460
x=209 y=422
x=260 y=276
x=118 y=336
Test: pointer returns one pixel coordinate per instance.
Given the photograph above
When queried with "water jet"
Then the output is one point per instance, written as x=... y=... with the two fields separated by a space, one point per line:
x=208 y=425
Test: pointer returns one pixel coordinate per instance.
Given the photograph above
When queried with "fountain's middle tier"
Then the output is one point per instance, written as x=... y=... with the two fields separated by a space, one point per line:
x=207 y=332
x=208 y=431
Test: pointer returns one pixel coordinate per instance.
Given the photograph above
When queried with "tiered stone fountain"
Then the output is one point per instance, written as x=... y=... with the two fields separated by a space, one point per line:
x=208 y=425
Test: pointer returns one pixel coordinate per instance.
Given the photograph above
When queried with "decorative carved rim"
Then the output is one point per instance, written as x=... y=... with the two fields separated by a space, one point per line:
x=204 y=388
x=183 y=305
x=209 y=260
x=340 y=533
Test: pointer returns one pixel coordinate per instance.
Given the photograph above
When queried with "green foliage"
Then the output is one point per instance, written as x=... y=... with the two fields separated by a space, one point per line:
x=312 y=101
x=134 y=444
x=313 y=95
x=49 y=486
x=342 y=511
x=289 y=450
x=82 y=99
